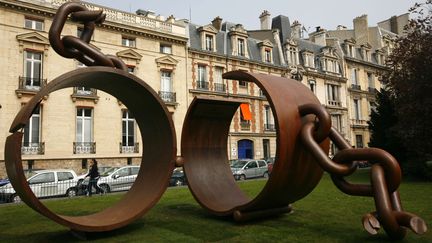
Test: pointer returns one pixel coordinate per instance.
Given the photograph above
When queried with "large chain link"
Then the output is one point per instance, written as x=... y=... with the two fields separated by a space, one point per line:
x=79 y=48
x=385 y=175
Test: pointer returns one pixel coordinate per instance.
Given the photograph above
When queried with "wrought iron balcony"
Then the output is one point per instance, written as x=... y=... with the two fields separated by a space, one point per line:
x=129 y=149
x=168 y=97
x=33 y=148
x=245 y=125
x=84 y=147
x=356 y=86
x=219 y=87
x=203 y=85
x=333 y=103
x=269 y=127
x=31 y=84
x=82 y=91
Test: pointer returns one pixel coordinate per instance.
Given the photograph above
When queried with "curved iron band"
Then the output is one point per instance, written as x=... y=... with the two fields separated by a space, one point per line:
x=204 y=150
x=158 y=156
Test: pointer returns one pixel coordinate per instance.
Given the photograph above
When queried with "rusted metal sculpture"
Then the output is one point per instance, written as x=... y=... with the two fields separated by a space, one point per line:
x=303 y=136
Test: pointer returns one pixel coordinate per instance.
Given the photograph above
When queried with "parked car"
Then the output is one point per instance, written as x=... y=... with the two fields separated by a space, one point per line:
x=245 y=169
x=118 y=179
x=45 y=183
x=4 y=181
x=178 y=178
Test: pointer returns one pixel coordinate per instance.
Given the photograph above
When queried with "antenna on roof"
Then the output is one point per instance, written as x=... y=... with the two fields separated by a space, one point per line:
x=190 y=14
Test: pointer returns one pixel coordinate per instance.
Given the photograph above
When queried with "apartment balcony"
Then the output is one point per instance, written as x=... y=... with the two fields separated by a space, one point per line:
x=269 y=127
x=84 y=93
x=358 y=123
x=84 y=147
x=219 y=87
x=33 y=148
x=30 y=85
x=355 y=86
x=129 y=149
x=334 y=103
x=202 y=85
x=245 y=125
x=168 y=97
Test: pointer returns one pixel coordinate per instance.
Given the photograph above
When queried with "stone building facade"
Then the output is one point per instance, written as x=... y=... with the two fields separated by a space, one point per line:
x=180 y=60
x=75 y=124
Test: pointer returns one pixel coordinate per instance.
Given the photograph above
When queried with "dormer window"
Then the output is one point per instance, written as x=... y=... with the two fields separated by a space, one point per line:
x=292 y=55
x=309 y=59
x=366 y=52
x=209 y=42
x=330 y=65
x=351 y=50
x=241 y=47
x=267 y=54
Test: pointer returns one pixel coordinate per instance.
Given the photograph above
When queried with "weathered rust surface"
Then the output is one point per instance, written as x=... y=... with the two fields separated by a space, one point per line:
x=158 y=157
x=204 y=150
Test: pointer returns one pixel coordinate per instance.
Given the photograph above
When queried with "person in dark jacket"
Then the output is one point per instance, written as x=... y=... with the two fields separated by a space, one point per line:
x=94 y=177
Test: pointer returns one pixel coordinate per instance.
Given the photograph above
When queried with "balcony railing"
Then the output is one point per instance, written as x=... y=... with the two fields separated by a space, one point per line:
x=358 y=122
x=81 y=91
x=333 y=103
x=31 y=84
x=129 y=149
x=33 y=148
x=84 y=147
x=269 y=127
x=169 y=97
x=219 y=87
x=372 y=90
x=356 y=86
x=203 y=85
x=245 y=125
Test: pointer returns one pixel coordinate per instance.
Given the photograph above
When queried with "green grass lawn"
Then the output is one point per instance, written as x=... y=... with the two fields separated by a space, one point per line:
x=326 y=215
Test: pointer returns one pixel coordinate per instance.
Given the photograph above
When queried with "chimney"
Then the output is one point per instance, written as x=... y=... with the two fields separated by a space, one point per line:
x=217 y=23
x=319 y=37
x=394 y=24
x=341 y=27
x=296 y=30
x=265 y=20
x=361 y=30
x=171 y=19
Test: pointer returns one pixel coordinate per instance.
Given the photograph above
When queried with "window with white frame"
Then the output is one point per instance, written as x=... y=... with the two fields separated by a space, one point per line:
x=218 y=80
x=128 y=41
x=33 y=69
x=241 y=47
x=166 y=49
x=350 y=50
x=336 y=120
x=83 y=90
x=84 y=125
x=166 y=83
x=267 y=55
x=34 y=24
x=32 y=129
x=309 y=60
x=268 y=118
x=202 y=73
x=209 y=43
x=292 y=55
x=333 y=96
x=366 y=55
x=357 y=109
x=128 y=129
x=354 y=76
x=312 y=85
x=371 y=81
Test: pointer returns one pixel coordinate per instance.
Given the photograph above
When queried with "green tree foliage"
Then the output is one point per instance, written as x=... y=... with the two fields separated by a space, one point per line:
x=410 y=82
x=382 y=124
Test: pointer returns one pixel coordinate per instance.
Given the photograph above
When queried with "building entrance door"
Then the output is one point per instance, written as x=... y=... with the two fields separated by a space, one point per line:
x=245 y=149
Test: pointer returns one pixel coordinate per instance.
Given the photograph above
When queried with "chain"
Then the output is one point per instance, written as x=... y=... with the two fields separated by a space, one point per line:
x=386 y=175
x=80 y=48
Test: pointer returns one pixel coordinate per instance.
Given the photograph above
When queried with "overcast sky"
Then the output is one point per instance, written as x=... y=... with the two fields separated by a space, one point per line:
x=327 y=14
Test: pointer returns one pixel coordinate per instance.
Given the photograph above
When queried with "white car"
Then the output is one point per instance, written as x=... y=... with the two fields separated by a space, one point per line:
x=118 y=179
x=245 y=169
x=45 y=183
